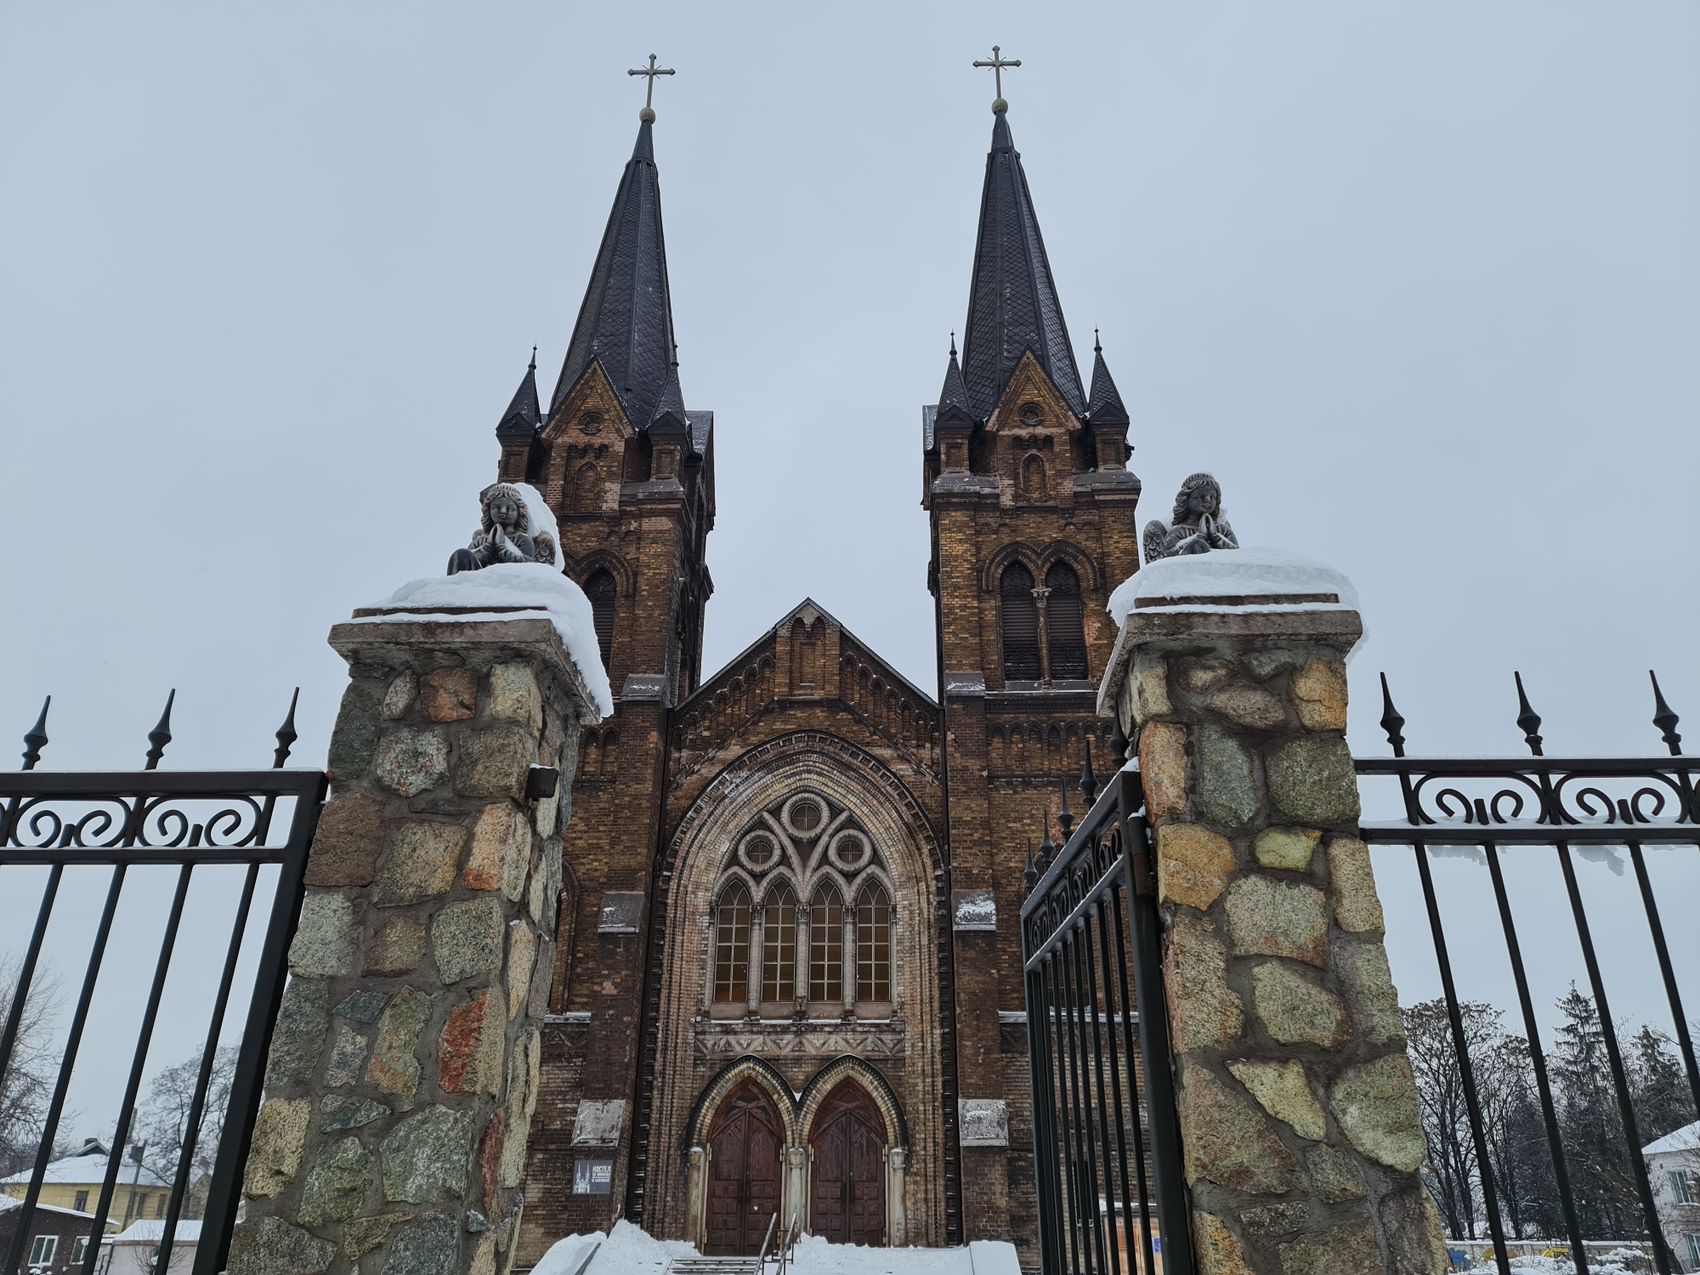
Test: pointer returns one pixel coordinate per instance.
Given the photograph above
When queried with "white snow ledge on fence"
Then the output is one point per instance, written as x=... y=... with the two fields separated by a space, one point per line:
x=1237 y=579
x=505 y=591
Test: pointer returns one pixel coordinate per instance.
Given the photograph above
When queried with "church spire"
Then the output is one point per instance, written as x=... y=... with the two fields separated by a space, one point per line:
x=1104 y=404
x=1012 y=303
x=521 y=419
x=953 y=398
x=626 y=321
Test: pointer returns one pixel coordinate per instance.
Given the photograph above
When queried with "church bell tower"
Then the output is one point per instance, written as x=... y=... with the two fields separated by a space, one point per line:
x=1032 y=514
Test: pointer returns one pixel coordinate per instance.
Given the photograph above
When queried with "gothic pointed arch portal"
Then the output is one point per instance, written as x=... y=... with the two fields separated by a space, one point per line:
x=745 y=1175
x=848 y=1169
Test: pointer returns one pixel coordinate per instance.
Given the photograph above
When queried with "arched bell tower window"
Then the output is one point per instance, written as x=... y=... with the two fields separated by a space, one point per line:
x=1064 y=627
x=873 y=943
x=600 y=590
x=1019 y=619
x=732 y=944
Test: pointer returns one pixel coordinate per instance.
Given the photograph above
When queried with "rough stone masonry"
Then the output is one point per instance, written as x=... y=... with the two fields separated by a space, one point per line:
x=1297 y=1108
x=404 y=1063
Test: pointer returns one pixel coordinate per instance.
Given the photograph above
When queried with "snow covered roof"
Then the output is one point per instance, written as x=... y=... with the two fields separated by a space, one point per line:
x=8 y=1203
x=152 y=1232
x=78 y=1170
x=1686 y=1138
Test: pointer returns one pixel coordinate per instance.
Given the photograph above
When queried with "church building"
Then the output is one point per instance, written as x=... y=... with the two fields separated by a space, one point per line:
x=788 y=975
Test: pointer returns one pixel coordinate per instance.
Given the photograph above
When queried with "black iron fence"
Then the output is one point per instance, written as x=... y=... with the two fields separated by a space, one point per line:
x=254 y=823
x=1555 y=809
x=1106 y=1142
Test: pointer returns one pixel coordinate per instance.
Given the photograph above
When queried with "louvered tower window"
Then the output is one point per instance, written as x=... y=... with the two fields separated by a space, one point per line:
x=600 y=590
x=1020 y=620
x=1064 y=628
x=732 y=946
x=779 y=944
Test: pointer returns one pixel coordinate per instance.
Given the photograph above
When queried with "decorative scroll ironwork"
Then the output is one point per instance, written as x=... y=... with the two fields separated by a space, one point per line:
x=1098 y=1045
x=118 y=821
x=1578 y=800
x=1524 y=807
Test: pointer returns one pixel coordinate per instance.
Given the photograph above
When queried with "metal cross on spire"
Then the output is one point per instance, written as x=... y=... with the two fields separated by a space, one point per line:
x=997 y=64
x=647 y=115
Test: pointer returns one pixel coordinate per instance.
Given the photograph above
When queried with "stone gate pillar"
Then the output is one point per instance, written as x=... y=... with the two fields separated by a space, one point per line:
x=404 y=1064
x=1298 y=1112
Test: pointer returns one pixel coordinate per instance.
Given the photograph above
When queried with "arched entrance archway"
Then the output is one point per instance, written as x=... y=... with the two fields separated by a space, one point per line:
x=847 y=1179
x=744 y=1145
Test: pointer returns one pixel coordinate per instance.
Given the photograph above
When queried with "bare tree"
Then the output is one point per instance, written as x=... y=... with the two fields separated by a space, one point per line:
x=163 y=1116
x=27 y=1082
x=1453 y=1170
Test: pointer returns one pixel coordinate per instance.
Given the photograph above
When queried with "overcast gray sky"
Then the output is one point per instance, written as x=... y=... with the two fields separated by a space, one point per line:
x=1420 y=283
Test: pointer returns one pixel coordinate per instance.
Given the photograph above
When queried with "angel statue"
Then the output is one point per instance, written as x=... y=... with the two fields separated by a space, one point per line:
x=504 y=533
x=1198 y=525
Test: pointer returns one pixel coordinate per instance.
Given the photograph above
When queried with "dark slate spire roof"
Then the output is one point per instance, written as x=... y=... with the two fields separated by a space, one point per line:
x=523 y=415
x=670 y=407
x=955 y=391
x=626 y=321
x=1104 y=404
x=1012 y=306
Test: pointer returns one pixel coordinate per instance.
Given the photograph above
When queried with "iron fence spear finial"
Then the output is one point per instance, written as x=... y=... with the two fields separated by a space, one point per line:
x=35 y=738
x=1663 y=717
x=160 y=735
x=1065 y=816
x=286 y=735
x=1528 y=720
x=1391 y=721
x=1046 y=849
x=1030 y=877
x=1089 y=781
x=1118 y=742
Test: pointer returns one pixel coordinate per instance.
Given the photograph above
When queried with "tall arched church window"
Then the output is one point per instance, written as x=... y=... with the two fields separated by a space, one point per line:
x=600 y=590
x=1064 y=627
x=826 y=945
x=732 y=945
x=779 y=944
x=1019 y=616
x=873 y=943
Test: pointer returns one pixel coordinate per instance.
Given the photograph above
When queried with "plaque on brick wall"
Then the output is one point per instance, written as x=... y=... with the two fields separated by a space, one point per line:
x=593 y=1177
x=621 y=912
x=599 y=1122
x=983 y=1122
x=974 y=910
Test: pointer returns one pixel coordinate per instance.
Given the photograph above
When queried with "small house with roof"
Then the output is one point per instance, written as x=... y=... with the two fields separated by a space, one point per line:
x=1673 y=1168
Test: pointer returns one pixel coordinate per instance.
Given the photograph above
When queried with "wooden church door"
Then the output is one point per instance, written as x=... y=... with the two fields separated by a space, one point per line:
x=743 y=1172
x=847 y=1181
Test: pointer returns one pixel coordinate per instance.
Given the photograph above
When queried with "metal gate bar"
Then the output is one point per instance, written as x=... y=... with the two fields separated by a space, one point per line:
x=1092 y=958
x=120 y=820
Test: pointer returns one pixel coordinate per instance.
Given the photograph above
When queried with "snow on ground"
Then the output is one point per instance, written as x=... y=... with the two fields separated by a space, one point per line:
x=1622 y=1261
x=1233 y=573
x=537 y=590
x=629 y=1251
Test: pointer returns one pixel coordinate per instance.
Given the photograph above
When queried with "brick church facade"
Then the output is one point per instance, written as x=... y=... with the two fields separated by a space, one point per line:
x=788 y=970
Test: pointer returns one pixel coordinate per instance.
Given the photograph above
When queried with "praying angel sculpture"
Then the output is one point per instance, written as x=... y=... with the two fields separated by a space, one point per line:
x=504 y=533
x=1198 y=525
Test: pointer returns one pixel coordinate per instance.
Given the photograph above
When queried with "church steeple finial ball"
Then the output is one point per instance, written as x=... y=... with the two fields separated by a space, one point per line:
x=997 y=63
x=647 y=114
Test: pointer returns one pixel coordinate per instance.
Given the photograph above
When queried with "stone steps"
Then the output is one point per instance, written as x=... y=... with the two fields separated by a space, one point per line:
x=714 y=1266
